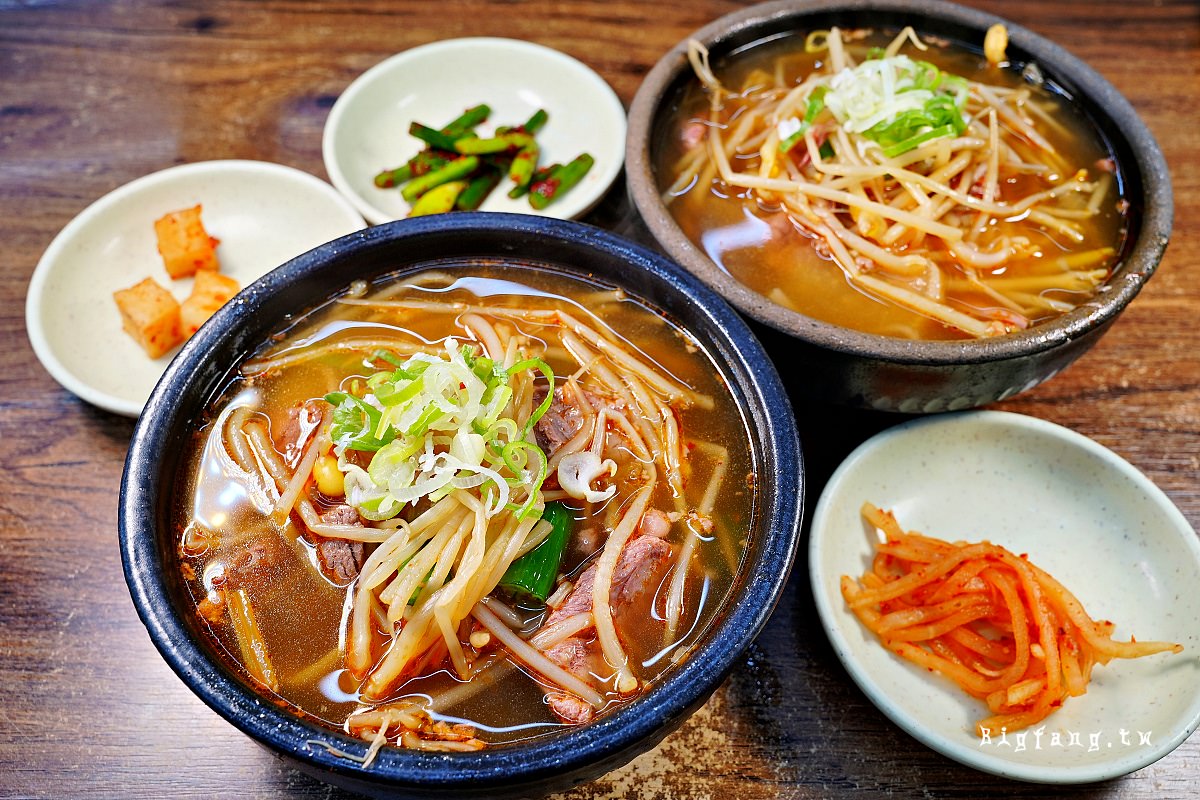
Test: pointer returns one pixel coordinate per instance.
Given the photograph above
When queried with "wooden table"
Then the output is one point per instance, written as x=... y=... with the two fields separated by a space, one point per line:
x=93 y=95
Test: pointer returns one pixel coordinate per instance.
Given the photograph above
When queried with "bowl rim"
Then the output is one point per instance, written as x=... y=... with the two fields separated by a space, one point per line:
x=1144 y=252
x=600 y=745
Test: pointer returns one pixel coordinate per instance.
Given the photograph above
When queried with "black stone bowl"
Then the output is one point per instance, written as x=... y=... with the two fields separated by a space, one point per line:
x=148 y=489
x=836 y=364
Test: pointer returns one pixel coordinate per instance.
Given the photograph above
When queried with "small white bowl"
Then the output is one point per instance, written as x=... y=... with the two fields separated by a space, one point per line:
x=367 y=128
x=263 y=213
x=1083 y=514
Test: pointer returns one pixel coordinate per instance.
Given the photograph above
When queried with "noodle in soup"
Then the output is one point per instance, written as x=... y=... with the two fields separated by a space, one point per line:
x=466 y=507
x=893 y=185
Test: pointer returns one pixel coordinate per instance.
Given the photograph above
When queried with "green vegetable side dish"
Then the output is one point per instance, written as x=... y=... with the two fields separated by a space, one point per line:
x=559 y=181
x=458 y=168
x=439 y=199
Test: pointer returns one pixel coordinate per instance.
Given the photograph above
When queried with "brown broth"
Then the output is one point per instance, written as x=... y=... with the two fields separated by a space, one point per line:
x=756 y=243
x=302 y=616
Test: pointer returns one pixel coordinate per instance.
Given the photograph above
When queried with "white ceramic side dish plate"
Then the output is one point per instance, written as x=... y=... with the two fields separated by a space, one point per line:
x=1079 y=511
x=367 y=128
x=263 y=213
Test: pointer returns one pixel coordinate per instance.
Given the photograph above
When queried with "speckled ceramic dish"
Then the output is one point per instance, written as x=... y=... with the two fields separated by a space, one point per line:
x=263 y=214
x=859 y=369
x=532 y=768
x=1080 y=512
x=367 y=129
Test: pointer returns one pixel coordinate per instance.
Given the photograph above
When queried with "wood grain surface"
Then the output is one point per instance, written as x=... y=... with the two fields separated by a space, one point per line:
x=93 y=95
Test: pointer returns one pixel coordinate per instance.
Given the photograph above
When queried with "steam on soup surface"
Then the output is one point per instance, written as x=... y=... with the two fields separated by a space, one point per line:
x=466 y=507
x=892 y=185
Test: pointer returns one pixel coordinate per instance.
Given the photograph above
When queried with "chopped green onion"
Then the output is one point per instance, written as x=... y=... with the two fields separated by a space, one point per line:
x=355 y=422
x=898 y=102
x=786 y=145
x=815 y=105
x=434 y=425
x=389 y=357
x=544 y=368
x=519 y=466
x=913 y=142
x=925 y=75
x=430 y=415
x=390 y=393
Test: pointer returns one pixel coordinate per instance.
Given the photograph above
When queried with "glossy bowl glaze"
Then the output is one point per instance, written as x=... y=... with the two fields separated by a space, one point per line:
x=834 y=363
x=148 y=542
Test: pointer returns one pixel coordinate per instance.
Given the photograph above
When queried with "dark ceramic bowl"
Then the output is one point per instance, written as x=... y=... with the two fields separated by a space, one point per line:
x=148 y=542
x=841 y=365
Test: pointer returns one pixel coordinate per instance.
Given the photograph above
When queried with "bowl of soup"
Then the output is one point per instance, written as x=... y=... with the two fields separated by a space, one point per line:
x=471 y=505
x=924 y=206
